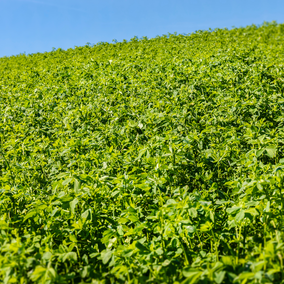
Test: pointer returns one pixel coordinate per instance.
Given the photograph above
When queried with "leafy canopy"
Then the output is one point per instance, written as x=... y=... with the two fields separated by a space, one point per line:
x=156 y=160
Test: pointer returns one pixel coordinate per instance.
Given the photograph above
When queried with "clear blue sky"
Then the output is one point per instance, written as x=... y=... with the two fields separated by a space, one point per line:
x=39 y=25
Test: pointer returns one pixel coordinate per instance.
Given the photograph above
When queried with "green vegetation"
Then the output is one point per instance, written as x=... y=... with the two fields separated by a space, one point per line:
x=156 y=160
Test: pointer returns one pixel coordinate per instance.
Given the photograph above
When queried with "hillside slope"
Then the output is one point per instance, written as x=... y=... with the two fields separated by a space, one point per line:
x=156 y=160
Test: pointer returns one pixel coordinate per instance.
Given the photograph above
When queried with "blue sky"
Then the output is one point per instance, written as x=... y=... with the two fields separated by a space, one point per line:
x=39 y=25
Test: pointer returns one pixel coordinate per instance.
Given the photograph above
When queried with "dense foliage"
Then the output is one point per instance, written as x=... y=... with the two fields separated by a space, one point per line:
x=156 y=160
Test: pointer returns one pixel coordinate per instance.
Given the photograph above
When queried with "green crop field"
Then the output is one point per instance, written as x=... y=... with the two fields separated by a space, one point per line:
x=145 y=161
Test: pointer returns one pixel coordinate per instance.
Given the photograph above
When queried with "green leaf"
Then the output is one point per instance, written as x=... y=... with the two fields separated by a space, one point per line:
x=192 y=212
x=141 y=247
x=233 y=209
x=67 y=181
x=240 y=216
x=267 y=208
x=38 y=273
x=219 y=276
x=73 y=204
x=192 y=276
x=106 y=256
x=206 y=226
x=86 y=214
x=30 y=215
x=271 y=151
x=71 y=256
x=120 y=230
x=77 y=186
x=260 y=152
x=47 y=255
